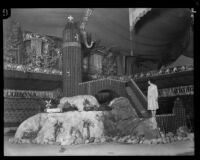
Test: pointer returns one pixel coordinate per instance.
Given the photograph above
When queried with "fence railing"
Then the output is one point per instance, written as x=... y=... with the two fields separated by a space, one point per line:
x=170 y=122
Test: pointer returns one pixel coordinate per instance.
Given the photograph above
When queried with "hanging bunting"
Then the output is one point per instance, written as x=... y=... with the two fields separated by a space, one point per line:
x=30 y=94
x=27 y=68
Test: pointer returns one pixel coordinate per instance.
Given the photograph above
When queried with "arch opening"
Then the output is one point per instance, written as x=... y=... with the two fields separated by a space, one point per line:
x=105 y=96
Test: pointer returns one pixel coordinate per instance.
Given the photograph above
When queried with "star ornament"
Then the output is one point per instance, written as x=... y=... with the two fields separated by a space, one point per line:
x=70 y=18
x=48 y=103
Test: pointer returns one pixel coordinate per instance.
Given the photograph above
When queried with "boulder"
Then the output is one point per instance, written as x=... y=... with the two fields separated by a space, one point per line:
x=122 y=108
x=123 y=120
x=182 y=131
x=169 y=134
x=146 y=128
x=63 y=128
x=76 y=127
x=191 y=136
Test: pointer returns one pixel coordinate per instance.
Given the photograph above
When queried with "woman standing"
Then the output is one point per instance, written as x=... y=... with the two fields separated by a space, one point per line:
x=152 y=98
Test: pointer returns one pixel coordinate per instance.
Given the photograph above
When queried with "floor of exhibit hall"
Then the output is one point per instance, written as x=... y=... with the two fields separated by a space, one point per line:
x=110 y=149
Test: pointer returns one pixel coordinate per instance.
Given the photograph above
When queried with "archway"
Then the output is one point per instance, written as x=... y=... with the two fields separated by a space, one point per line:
x=105 y=96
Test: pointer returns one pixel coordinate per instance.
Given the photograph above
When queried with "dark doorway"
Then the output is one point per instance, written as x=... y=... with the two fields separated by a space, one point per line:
x=105 y=96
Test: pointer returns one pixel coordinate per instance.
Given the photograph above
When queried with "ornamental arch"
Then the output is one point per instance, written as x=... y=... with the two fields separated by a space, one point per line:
x=94 y=87
x=105 y=96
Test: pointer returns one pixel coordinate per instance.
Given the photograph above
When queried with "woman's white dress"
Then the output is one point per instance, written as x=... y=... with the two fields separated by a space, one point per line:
x=152 y=97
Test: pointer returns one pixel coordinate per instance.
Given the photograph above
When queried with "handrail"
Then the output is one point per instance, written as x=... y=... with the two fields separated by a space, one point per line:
x=138 y=89
x=91 y=81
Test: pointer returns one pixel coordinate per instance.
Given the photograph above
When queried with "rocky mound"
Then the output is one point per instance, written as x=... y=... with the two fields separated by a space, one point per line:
x=61 y=128
x=76 y=127
x=123 y=120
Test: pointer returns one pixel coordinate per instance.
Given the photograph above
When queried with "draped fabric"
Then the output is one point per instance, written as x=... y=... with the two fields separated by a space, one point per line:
x=135 y=14
x=163 y=35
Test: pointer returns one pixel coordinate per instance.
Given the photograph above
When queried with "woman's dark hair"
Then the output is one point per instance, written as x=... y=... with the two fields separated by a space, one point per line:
x=151 y=80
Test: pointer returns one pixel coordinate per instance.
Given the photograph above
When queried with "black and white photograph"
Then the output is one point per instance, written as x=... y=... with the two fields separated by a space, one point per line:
x=98 y=81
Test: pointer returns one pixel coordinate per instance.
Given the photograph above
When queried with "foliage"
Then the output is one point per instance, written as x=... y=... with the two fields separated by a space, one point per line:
x=12 y=43
x=57 y=127
x=109 y=65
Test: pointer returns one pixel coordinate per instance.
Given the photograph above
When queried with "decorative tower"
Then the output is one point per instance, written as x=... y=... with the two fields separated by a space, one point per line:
x=71 y=58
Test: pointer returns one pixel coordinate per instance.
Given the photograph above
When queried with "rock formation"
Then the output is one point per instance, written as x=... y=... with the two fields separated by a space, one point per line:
x=123 y=120
x=67 y=128
x=75 y=127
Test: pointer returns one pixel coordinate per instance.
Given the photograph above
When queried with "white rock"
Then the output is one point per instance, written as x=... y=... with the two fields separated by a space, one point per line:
x=153 y=141
x=146 y=141
x=115 y=138
x=169 y=134
x=33 y=141
x=175 y=138
x=185 y=138
x=15 y=140
x=191 y=136
x=123 y=139
x=167 y=139
x=180 y=138
x=68 y=120
x=134 y=141
x=133 y=137
x=10 y=140
x=129 y=141
x=97 y=140
x=50 y=142
x=87 y=141
x=172 y=139
x=103 y=140
x=159 y=140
